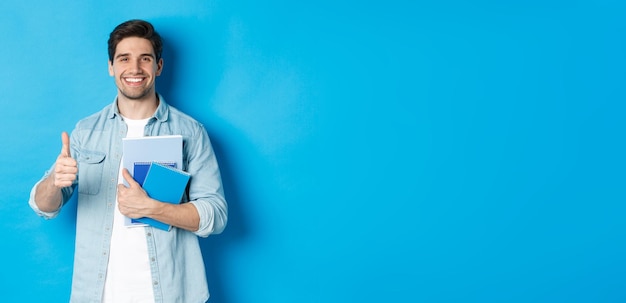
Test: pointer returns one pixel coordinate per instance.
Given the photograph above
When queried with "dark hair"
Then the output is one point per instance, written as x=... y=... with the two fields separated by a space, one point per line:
x=135 y=28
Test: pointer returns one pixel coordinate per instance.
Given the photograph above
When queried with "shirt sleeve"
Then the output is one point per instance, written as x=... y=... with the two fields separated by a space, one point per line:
x=205 y=190
x=66 y=193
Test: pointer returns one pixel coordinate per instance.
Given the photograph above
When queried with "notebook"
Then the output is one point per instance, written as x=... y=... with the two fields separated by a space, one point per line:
x=166 y=184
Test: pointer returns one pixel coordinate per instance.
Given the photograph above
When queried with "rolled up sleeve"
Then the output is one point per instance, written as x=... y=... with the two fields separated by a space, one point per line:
x=66 y=192
x=205 y=189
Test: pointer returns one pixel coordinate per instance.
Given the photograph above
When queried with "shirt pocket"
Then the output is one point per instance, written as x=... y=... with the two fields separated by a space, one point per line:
x=90 y=168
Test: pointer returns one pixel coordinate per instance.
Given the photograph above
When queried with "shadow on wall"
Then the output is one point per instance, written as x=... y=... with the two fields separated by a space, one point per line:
x=215 y=248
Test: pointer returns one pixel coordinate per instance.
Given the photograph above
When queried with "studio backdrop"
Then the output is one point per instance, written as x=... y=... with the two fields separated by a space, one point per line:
x=396 y=151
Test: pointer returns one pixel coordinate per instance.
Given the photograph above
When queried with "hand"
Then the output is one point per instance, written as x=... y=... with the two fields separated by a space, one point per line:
x=133 y=201
x=65 y=167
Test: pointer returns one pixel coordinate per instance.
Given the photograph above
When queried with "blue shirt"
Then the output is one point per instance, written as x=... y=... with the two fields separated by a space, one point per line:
x=175 y=258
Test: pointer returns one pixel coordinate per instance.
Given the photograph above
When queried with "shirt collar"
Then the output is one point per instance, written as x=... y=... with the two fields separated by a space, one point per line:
x=160 y=114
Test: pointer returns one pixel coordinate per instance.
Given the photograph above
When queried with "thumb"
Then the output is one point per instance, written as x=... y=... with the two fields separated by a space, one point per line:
x=129 y=179
x=65 y=150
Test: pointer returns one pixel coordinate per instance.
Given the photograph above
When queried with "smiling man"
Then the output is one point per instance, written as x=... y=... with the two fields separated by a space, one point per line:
x=135 y=67
x=112 y=262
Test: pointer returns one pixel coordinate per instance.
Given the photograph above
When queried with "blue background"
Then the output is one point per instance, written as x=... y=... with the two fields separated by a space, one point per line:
x=396 y=151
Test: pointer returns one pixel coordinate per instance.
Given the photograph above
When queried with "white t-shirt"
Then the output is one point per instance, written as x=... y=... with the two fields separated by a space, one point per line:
x=128 y=279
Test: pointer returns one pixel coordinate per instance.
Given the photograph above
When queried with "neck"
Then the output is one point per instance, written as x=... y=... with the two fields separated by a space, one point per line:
x=137 y=109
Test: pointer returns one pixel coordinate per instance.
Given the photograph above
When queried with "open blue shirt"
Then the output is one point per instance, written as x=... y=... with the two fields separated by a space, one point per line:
x=176 y=262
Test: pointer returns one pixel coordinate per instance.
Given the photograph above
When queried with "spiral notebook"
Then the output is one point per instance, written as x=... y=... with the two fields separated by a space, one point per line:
x=166 y=184
x=139 y=153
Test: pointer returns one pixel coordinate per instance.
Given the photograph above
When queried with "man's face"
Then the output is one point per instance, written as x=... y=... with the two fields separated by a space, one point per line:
x=135 y=68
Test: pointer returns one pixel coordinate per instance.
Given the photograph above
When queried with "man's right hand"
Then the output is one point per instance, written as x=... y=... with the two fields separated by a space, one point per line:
x=65 y=167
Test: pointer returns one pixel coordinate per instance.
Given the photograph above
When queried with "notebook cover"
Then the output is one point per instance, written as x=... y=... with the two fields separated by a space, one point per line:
x=166 y=184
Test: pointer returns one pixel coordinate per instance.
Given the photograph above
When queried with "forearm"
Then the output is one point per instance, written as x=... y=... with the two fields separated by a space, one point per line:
x=183 y=215
x=48 y=197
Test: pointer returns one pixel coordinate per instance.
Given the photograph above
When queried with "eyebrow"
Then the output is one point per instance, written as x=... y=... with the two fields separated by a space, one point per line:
x=127 y=54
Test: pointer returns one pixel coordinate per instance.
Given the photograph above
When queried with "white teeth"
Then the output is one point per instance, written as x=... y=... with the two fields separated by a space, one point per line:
x=135 y=80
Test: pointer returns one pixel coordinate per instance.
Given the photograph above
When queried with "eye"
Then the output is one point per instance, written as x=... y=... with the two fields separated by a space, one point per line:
x=146 y=59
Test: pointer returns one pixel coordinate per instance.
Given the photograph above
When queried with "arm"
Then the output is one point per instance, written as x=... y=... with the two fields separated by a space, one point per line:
x=48 y=196
x=205 y=188
x=206 y=212
x=135 y=203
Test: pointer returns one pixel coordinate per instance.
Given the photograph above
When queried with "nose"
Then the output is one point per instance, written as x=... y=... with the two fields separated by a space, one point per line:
x=136 y=66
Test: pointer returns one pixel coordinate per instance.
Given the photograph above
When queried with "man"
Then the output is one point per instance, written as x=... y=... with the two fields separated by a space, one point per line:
x=114 y=263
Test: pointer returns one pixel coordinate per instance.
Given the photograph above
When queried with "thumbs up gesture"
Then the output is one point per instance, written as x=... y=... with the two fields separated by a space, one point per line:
x=65 y=167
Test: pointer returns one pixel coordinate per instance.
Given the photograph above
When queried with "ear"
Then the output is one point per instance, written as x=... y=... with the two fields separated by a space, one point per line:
x=111 y=72
x=159 y=67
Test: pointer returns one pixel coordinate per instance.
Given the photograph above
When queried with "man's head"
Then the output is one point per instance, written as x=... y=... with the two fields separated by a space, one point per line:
x=135 y=28
x=135 y=59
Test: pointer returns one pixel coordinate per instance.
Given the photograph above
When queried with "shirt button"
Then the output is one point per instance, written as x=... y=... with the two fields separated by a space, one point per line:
x=149 y=234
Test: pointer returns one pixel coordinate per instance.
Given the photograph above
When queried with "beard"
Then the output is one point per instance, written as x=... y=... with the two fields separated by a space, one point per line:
x=135 y=92
x=135 y=95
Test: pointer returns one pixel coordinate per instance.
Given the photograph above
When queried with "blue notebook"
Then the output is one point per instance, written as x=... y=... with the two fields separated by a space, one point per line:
x=139 y=153
x=166 y=184
x=141 y=170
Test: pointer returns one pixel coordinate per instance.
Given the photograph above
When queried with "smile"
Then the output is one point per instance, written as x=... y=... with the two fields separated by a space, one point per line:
x=133 y=80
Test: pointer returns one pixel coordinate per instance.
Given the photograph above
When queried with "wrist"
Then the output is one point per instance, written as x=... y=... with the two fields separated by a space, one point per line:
x=157 y=208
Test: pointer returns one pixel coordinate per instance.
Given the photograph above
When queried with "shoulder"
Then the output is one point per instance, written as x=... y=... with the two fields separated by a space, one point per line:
x=96 y=119
x=183 y=121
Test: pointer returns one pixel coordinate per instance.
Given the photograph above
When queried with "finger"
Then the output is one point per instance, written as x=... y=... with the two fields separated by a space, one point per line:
x=66 y=171
x=120 y=189
x=65 y=140
x=66 y=166
x=64 y=180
